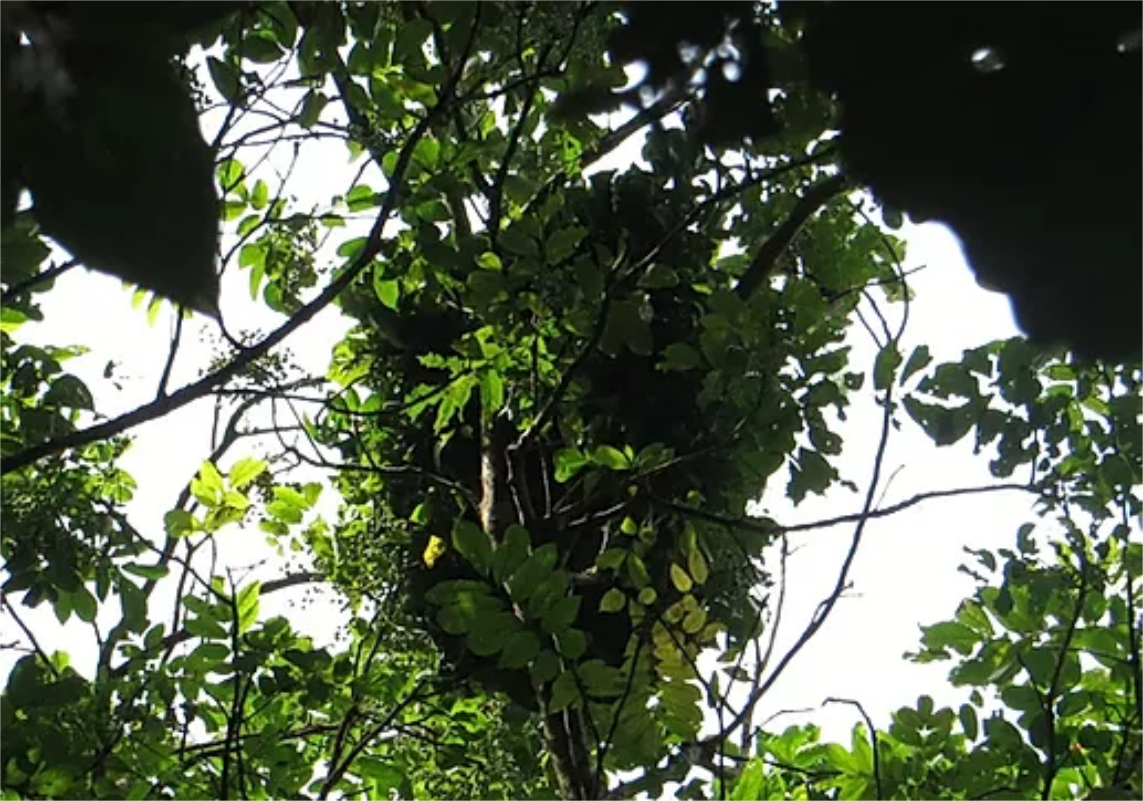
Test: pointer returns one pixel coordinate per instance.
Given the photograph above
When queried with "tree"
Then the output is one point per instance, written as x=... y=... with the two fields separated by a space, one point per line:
x=932 y=106
x=559 y=394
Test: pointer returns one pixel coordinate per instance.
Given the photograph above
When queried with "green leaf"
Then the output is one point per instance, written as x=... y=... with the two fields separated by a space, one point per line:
x=489 y=633
x=260 y=195
x=511 y=553
x=563 y=243
x=950 y=634
x=613 y=600
x=473 y=544
x=388 y=291
x=885 y=366
x=455 y=399
x=562 y=614
x=681 y=356
x=149 y=572
x=312 y=106
x=811 y=473
x=519 y=188
x=210 y=478
x=611 y=458
x=362 y=198
x=520 y=651
x=600 y=679
x=179 y=523
x=491 y=392
x=535 y=569
x=453 y=620
x=944 y=426
x=611 y=559
x=226 y=80
x=22 y=252
x=697 y=567
x=84 y=604
x=246 y=470
x=486 y=287
x=968 y=721
x=751 y=782
x=515 y=241
x=571 y=643
x=569 y=461
x=680 y=579
x=637 y=571
x=919 y=359
x=248 y=605
x=546 y=667
x=427 y=152
x=565 y=692
x=134 y=606
x=69 y=392
x=463 y=603
x=466 y=593
x=553 y=588
x=230 y=174
x=694 y=621
x=489 y=261
x=383 y=774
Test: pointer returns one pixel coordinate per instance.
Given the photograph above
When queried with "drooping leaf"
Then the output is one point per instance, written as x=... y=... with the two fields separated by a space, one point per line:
x=473 y=544
x=511 y=553
x=248 y=604
x=565 y=692
x=532 y=572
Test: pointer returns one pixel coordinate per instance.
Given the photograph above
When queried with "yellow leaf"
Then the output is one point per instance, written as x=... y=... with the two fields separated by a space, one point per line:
x=434 y=550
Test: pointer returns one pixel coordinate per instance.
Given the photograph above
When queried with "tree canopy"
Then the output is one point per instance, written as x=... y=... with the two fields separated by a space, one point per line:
x=559 y=390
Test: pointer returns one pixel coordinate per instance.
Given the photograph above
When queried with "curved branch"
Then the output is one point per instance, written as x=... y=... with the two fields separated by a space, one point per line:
x=816 y=197
x=750 y=524
x=201 y=388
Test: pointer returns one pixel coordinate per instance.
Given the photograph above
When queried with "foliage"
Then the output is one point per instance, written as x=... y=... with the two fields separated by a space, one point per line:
x=560 y=391
x=930 y=123
x=1054 y=642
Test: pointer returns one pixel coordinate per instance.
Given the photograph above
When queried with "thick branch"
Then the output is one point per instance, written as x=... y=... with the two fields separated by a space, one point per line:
x=816 y=197
x=573 y=771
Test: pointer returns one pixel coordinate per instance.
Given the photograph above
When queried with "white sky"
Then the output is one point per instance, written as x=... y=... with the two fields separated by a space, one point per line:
x=905 y=574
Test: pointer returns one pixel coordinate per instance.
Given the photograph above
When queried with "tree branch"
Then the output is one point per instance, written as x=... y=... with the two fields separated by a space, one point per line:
x=816 y=197
x=750 y=524
x=199 y=389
